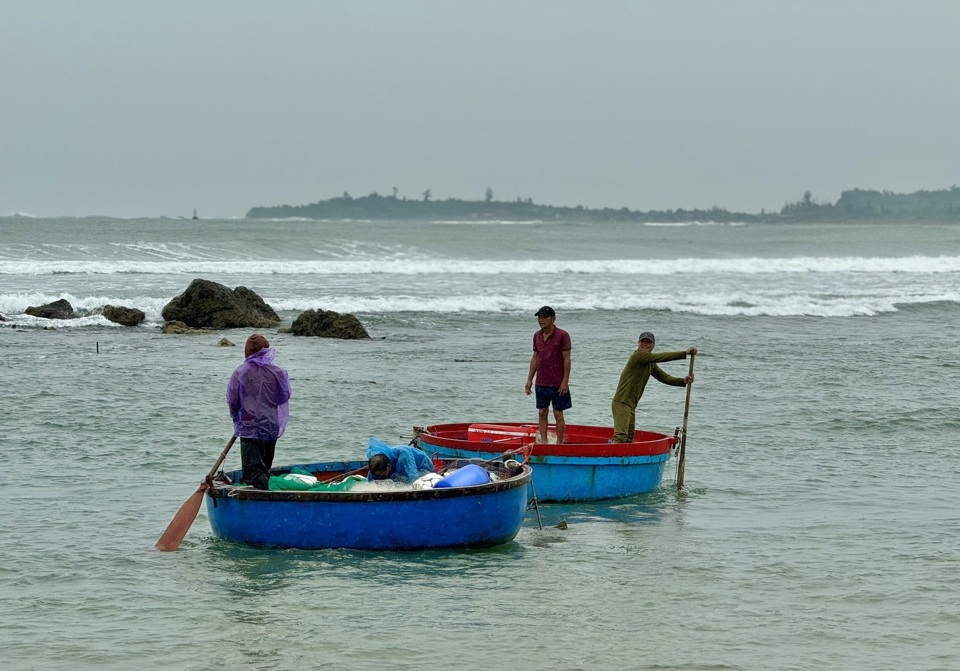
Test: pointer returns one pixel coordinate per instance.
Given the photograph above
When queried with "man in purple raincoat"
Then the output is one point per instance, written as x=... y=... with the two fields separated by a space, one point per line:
x=257 y=396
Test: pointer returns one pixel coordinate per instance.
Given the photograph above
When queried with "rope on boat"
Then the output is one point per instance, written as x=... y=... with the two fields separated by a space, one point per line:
x=535 y=503
x=525 y=451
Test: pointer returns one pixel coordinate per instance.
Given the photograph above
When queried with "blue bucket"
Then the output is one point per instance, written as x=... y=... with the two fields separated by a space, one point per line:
x=470 y=474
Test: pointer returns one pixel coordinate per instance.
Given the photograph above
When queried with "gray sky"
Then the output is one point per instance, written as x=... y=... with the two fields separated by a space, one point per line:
x=134 y=108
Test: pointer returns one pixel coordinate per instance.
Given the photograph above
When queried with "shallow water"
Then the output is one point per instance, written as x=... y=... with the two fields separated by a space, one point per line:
x=818 y=528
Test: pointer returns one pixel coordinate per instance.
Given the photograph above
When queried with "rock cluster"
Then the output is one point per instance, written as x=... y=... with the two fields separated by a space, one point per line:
x=206 y=306
x=61 y=309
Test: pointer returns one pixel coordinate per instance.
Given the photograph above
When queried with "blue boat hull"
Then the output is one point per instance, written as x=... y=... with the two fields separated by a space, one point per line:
x=576 y=471
x=473 y=516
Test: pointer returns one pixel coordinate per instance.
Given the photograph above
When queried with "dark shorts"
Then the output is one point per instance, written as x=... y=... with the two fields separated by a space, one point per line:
x=548 y=395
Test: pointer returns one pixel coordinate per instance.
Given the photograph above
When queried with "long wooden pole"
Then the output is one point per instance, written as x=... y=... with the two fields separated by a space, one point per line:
x=180 y=524
x=683 y=438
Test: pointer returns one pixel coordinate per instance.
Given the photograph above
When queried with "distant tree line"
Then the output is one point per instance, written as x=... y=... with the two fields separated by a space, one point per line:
x=859 y=204
x=856 y=204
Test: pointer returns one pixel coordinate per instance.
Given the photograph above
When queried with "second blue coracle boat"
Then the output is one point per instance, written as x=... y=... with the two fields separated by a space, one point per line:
x=462 y=515
x=588 y=466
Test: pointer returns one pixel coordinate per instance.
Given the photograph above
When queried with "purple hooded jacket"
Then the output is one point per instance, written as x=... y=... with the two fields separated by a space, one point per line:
x=257 y=395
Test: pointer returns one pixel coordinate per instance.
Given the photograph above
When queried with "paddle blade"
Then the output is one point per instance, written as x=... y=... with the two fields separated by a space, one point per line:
x=180 y=524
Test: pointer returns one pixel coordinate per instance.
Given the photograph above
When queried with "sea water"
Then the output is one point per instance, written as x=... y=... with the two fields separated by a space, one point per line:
x=818 y=528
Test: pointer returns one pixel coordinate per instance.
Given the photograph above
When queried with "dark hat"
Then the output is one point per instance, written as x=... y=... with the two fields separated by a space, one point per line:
x=254 y=344
x=646 y=335
x=545 y=311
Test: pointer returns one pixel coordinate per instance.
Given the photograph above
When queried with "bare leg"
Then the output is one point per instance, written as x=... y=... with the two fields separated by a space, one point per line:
x=542 y=412
x=558 y=416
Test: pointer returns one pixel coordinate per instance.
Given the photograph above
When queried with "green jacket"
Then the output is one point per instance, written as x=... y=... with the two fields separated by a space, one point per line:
x=638 y=370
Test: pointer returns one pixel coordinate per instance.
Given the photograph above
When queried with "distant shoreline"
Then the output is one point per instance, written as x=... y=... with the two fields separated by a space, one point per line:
x=856 y=205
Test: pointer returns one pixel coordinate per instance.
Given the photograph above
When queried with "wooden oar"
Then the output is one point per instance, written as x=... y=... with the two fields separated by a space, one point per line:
x=180 y=524
x=683 y=439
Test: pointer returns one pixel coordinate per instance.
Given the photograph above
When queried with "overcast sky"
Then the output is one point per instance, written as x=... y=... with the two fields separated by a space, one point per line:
x=135 y=108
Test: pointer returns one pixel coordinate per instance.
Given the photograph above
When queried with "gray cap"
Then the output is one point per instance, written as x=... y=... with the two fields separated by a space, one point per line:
x=646 y=335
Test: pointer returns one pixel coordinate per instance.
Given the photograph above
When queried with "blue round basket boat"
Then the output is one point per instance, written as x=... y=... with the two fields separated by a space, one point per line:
x=460 y=515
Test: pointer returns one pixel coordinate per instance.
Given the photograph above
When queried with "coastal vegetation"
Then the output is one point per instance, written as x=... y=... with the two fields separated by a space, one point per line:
x=853 y=205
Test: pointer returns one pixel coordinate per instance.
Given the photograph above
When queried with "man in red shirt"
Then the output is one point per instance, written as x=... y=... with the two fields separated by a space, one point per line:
x=551 y=364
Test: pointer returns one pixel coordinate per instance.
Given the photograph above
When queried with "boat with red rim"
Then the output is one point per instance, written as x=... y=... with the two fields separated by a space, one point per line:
x=588 y=466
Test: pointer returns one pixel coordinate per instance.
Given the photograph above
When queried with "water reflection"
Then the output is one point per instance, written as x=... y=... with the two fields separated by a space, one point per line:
x=254 y=581
x=642 y=509
x=244 y=571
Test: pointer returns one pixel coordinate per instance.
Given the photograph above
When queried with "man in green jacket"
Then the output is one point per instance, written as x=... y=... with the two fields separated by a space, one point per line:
x=641 y=365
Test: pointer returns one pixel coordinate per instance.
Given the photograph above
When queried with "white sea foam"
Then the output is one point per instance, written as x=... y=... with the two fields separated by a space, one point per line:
x=684 y=224
x=407 y=266
x=12 y=307
x=481 y=222
x=720 y=302
x=715 y=298
x=26 y=321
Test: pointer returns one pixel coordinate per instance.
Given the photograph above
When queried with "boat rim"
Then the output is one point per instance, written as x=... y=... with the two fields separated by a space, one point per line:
x=222 y=489
x=657 y=444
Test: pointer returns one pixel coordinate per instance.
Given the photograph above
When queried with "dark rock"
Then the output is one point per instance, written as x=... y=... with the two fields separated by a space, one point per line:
x=122 y=315
x=177 y=328
x=2 y=318
x=328 y=324
x=207 y=304
x=225 y=343
x=174 y=327
x=60 y=309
